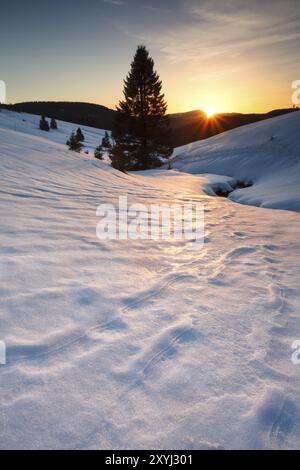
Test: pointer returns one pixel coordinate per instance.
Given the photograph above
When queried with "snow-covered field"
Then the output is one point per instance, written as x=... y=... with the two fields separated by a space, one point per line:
x=144 y=344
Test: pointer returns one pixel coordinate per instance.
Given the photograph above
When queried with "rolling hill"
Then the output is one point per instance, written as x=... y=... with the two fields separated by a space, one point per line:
x=185 y=127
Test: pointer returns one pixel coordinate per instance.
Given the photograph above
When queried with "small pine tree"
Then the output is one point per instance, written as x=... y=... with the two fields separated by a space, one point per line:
x=79 y=135
x=118 y=158
x=73 y=143
x=98 y=152
x=106 y=141
x=44 y=124
x=53 y=124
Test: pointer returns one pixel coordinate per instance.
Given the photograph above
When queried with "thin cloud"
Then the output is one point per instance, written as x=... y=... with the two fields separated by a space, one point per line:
x=214 y=32
x=118 y=3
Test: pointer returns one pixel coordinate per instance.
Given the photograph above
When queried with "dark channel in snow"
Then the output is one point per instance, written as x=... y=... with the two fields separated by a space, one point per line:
x=222 y=190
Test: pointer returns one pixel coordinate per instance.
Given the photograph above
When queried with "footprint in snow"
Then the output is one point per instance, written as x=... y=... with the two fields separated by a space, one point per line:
x=278 y=417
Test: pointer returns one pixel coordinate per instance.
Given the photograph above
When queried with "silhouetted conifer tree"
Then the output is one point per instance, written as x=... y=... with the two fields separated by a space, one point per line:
x=106 y=141
x=79 y=135
x=141 y=129
x=73 y=143
x=44 y=124
x=53 y=124
x=119 y=158
x=98 y=152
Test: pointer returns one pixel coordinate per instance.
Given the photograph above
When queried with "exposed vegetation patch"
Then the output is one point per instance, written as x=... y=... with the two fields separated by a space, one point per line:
x=224 y=191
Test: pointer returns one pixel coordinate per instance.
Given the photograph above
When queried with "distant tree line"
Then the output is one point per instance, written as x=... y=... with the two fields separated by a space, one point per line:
x=83 y=114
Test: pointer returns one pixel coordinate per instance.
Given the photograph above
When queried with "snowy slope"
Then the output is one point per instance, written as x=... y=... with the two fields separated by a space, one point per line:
x=266 y=153
x=140 y=344
x=29 y=123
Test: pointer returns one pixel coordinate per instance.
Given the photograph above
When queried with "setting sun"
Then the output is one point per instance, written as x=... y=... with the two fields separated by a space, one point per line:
x=209 y=111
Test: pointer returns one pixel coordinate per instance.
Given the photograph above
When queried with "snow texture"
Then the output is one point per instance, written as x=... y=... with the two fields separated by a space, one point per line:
x=144 y=344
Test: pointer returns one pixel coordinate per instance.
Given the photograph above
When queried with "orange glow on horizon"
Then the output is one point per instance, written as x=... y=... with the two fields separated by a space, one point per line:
x=210 y=111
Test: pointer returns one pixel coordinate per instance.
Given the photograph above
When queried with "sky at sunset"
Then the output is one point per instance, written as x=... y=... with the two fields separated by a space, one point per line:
x=229 y=56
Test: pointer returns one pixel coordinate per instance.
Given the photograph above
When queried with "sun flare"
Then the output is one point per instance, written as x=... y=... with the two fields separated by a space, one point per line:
x=209 y=111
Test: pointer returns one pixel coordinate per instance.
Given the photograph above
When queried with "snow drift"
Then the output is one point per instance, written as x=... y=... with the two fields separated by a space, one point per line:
x=266 y=153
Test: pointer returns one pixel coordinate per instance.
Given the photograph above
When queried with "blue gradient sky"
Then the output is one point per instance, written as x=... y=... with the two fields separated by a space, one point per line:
x=232 y=56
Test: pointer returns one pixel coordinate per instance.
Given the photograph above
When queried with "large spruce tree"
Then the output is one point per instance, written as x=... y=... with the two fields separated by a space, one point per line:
x=141 y=128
